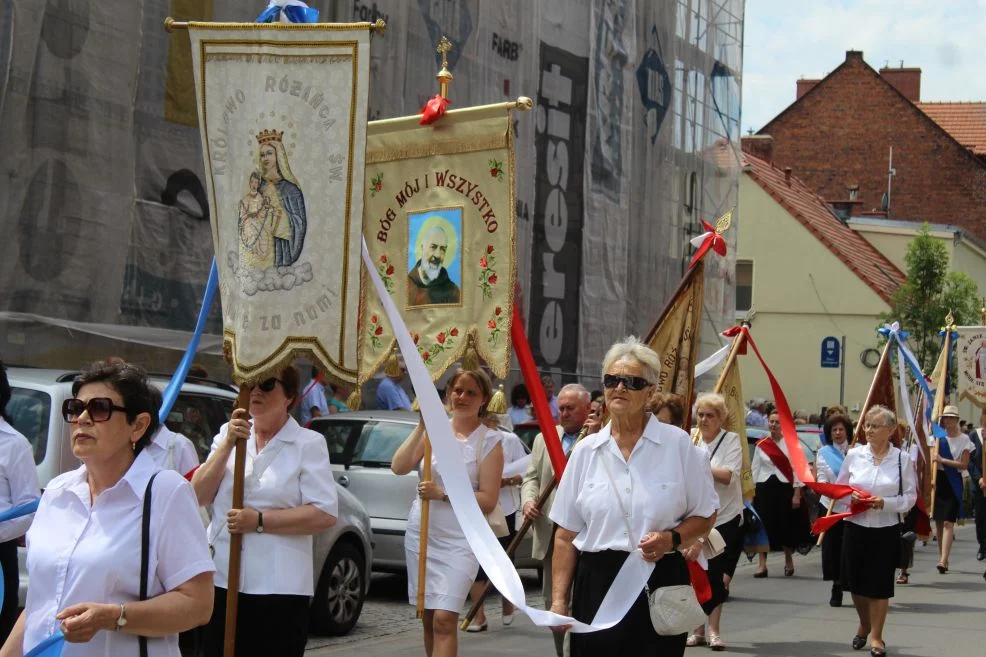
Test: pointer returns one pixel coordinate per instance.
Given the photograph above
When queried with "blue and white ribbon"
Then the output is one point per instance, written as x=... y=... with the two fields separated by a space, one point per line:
x=14 y=512
x=178 y=379
x=288 y=11
x=49 y=647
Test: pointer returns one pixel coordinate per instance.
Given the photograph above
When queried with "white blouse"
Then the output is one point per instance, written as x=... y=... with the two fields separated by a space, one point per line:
x=77 y=552
x=513 y=451
x=825 y=475
x=957 y=445
x=293 y=469
x=665 y=480
x=18 y=479
x=173 y=451
x=728 y=456
x=763 y=468
x=880 y=481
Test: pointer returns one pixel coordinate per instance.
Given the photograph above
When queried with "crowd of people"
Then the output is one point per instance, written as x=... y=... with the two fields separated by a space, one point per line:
x=120 y=560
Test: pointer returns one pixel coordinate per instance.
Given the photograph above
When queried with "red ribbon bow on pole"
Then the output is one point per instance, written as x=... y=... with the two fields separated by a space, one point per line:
x=710 y=239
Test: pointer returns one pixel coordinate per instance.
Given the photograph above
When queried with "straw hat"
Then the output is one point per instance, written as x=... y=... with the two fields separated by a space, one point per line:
x=950 y=411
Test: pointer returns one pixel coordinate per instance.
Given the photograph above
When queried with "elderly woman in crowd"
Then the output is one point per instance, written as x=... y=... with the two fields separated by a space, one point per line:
x=289 y=495
x=668 y=407
x=451 y=565
x=638 y=484
x=725 y=454
x=84 y=547
x=871 y=544
x=947 y=497
x=828 y=464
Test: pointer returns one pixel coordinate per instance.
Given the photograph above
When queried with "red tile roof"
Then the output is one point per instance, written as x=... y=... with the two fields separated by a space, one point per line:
x=881 y=275
x=965 y=122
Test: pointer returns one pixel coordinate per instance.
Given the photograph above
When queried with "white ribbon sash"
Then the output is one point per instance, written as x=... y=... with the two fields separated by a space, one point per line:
x=626 y=587
x=713 y=361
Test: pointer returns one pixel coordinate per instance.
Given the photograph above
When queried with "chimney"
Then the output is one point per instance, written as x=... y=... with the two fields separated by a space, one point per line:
x=759 y=146
x=787 y=175
x=804 y=86
x=905 y=80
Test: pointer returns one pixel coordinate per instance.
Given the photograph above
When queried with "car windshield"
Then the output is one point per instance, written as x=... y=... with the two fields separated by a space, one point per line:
x=30 y=413
x=378 y=441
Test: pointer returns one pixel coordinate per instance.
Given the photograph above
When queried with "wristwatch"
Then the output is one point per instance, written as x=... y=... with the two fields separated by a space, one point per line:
x=260 y=522
x=122 y=620
x=675 y=540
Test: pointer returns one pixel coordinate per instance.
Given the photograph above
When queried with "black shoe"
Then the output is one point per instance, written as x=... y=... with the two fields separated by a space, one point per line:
x=836 y=599
x=981 y=555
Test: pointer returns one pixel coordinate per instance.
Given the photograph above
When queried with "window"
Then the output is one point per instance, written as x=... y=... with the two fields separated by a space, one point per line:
x=337 y=435
x=199 y=418
x=30 y=412
x=744 y=285
x=379 y=441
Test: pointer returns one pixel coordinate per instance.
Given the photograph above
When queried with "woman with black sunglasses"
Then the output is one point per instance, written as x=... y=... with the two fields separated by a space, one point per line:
x=289 y=495
x=637 y=489
x=85 y=544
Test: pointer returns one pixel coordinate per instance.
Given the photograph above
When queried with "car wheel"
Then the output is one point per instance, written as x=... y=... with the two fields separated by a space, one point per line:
x=340 y=592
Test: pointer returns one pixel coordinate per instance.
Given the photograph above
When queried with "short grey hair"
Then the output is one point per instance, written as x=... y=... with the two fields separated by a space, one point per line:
x=716 y=402
x=631 y=348
x=885 y=415
x=576 y=389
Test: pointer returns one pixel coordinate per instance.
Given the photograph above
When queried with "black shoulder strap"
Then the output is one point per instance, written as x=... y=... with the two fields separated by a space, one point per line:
x=722 y=437
x=145 y=548
x=900 y=482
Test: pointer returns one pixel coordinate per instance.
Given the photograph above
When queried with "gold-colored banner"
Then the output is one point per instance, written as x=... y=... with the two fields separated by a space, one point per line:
x=439 y=225
x=731 y=388
x=970 y=356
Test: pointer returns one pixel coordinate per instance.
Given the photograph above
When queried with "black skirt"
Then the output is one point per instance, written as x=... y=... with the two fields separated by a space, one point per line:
x=869 y=559
x=773 y=505
x=634 y=635
x=946 y=504
x=831 y=549
x=723 y=564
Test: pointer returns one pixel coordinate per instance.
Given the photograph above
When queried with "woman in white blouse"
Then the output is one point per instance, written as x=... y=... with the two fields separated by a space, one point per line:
x=946 y=511
x=18 y=484
x=828 y=464
x=84 y=546
x=725 y=453
x=289 y=495
x=871 y=543
x=451 y=565
x=665 y=484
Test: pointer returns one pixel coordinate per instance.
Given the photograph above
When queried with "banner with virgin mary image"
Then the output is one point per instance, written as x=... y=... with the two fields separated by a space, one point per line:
x=282 y=110
x=970 y=353
x=439 y=226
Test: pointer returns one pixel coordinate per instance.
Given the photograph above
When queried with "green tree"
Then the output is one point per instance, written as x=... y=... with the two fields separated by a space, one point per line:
x=930 y=293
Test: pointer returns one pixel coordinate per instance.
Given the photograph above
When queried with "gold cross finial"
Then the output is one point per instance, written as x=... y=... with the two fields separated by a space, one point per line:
x=444 y=76
x=949 y=322
x=724 y=222
x=982 y=312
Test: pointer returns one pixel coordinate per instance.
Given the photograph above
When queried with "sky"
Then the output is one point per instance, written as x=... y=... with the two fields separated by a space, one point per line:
x=785 y=40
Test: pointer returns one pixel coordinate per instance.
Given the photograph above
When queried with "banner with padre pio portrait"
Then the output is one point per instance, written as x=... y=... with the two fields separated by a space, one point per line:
x=439 y=225
x=970 y=354
x=282 y=110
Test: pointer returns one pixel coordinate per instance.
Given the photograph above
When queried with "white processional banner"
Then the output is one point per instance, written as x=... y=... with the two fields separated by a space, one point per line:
x=970 y=356
x=282 y=110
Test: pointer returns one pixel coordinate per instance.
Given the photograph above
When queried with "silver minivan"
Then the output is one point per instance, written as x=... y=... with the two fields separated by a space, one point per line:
x=343 y=554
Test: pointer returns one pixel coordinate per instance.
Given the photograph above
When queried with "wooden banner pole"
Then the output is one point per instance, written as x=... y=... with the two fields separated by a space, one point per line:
x=235 y=540
x=423 y=538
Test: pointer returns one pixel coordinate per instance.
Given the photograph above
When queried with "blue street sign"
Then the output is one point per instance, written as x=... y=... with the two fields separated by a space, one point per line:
x=830 y=352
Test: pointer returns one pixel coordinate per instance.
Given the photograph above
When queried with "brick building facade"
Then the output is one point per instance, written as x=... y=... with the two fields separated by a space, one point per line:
x=839 y=131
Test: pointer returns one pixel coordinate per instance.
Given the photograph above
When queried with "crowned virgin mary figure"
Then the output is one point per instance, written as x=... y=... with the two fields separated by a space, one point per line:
x=280 y=185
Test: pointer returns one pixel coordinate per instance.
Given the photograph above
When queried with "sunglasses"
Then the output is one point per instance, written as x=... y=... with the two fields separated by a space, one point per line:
x=629 y=382
x=100 y=409
x=269 y=384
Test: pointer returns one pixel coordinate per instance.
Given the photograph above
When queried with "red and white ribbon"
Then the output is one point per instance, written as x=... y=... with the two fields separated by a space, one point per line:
x=710 y=239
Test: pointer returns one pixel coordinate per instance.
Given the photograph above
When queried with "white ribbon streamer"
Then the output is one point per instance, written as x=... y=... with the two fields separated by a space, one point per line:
x=904 y=352
x=713 y=361
x=629 y=581
x=700 y=239
x=517 y=468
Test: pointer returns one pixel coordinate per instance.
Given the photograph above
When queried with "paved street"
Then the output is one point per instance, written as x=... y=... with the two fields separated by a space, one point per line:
x=934 y=615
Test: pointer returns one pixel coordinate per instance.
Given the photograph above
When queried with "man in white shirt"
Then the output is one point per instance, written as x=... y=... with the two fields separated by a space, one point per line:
x=573 y=410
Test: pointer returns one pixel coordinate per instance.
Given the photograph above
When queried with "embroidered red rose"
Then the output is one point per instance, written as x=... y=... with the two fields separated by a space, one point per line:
x=416 y=338
x=425 y=355
x=454 y=333
x=440 y=338
x=492 y=324
x=483 y=263
x=493 y=279
x=373 y=319
x=383 y=258
x=489 y=249
x=379 y=185
x=494 y=171
x=379 y=331
x=390 y=270
x=498 y=311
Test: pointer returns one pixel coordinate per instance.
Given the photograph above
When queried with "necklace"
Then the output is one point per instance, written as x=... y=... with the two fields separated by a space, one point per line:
x=877 y=459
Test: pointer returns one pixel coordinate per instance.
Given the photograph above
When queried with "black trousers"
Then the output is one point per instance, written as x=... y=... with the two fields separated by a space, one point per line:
x=979 y=507
x=265 y=625
x=634 y=636
x=11 y=582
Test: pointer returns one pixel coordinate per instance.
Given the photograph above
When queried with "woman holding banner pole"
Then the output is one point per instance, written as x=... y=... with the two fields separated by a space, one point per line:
x=828 y=464
x=778 y=495
x=636 y=486
x=289 y=495
x=451 y=566
x=886 y=487
x=947 y=499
